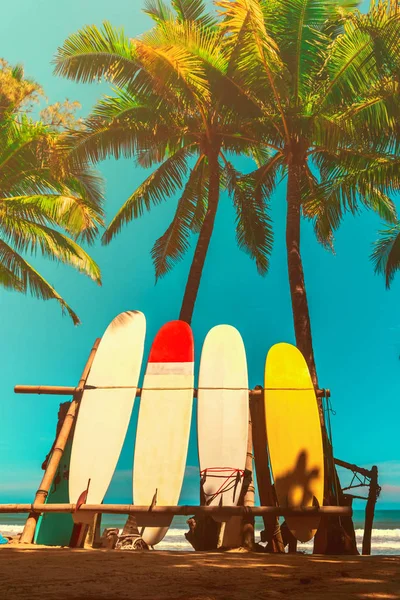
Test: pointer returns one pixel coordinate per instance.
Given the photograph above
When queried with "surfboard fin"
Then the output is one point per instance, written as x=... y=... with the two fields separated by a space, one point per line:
x=154 y=501
x=82 y=498
x=152 y=505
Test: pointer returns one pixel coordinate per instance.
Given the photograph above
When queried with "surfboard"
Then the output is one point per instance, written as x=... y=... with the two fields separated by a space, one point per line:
x=105 y=409
x=294 y=436
x=56 y=529
x=163 y=429
x=222 y=416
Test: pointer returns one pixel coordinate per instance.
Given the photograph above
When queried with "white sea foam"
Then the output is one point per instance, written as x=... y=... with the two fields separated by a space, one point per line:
x=384 y=541
x=177 y=545
x=17 y=528
x=11 y=529
x=390 y=533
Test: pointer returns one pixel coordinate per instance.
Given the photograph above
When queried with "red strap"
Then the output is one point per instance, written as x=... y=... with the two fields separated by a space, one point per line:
x=233 y=473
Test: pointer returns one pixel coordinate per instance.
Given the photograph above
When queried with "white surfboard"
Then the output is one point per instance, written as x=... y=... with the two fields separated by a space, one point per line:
x=222 y=415
x=106 y=407
x=163 y=427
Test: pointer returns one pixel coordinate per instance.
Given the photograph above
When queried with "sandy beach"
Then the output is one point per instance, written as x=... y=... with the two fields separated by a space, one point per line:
x=33 y=573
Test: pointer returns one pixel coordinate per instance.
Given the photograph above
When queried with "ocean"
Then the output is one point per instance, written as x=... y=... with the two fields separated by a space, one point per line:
x=385 y=534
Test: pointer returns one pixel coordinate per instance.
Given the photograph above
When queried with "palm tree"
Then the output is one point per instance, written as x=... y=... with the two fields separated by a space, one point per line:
x=327 y=111
x=382 y=22
x=41 y=193
x=170 y=106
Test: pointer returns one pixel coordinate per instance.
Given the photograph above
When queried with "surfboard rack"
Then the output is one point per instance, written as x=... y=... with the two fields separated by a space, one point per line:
x=57 y=451
x=57 y=390
x=186 y=510
x=370 y=480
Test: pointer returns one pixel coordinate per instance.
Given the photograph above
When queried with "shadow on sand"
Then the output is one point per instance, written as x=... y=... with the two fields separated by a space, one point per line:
x=34 y=572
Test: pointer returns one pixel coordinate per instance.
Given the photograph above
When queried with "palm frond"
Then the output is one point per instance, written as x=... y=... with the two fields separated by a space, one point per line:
x=121 y=125
x=159 y=186
x=30 y=280
x=193 y=10
x=80 y=210
x=172 y=67
x=351 y=68
x=93 y=53
x=302 y=40
x=257 y=65
x=251 y=194
x=350 y=179
x=158 y=11
x=324 y=209
x=386 y=253
x=173 y=244
x=9 y=280
x=29 y=236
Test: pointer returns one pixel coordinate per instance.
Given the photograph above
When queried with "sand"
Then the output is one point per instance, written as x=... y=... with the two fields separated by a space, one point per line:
x=36 y=572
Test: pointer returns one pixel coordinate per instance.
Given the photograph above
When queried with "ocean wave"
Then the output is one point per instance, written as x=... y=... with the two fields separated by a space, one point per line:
x=392 y=545
x=4 y=529
x=390 y=533
x=384 y=541
x=177 y=532
x=165 y=542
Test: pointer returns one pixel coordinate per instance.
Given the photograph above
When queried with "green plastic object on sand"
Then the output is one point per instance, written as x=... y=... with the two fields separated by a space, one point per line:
x=56 y=529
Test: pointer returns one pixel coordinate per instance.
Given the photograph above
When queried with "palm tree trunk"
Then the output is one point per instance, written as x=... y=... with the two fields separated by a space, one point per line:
x=302 y=327
x=196 y=269
x=301 y=315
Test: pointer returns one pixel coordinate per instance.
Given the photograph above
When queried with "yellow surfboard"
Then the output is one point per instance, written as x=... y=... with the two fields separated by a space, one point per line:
x=294 y=436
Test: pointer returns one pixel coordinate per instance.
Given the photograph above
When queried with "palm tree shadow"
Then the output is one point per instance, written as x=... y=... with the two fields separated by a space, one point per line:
x=123 y=319
x=295 y=488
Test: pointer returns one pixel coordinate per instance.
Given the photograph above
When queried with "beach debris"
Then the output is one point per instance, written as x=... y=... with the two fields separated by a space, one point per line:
x=109 y=538
x=131 y=542
x=203 y=532
x=130 y=538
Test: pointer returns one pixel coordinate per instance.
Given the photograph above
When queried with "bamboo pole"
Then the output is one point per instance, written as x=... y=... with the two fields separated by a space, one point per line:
x=132 y=509
x=351 y=467
x=248 y=519
x=52 y=390
x=370 y=511
x=59 y=390
x=59 y=446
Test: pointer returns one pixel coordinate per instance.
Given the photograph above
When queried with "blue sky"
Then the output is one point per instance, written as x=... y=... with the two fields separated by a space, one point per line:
x=355 y=320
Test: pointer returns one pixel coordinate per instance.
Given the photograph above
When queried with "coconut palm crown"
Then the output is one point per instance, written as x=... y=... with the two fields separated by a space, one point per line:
x=307 y=87
x=48 y=203
x=317 y=70
x=173 y=108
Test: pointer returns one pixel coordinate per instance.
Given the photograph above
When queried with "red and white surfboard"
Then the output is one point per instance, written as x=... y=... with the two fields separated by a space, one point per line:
x=162 y=436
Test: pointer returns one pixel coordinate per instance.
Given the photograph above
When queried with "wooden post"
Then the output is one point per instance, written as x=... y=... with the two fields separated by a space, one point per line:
x=264 y=482
x=93 y=535
x=248 y=521
x=59 y=446
x=370 y=510
x=292 y=545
